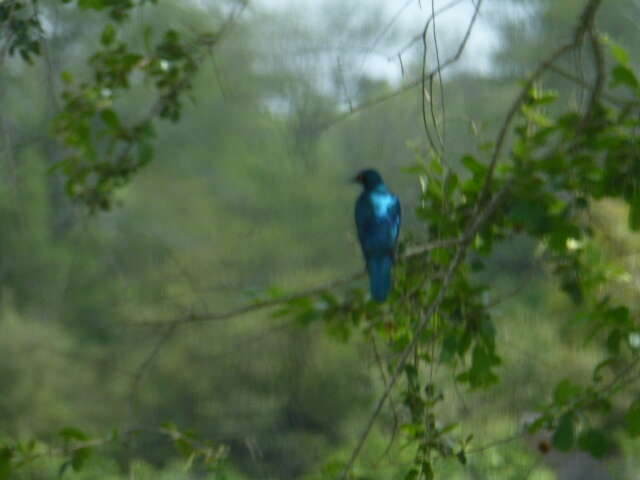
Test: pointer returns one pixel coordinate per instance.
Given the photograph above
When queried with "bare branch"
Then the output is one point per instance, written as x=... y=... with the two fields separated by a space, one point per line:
x=419 y=36
x=618 y=102
x=144 y=366
x=598 y=86
x=515 y=107
x=415 y=83
x=309 y=292
x=478 y=220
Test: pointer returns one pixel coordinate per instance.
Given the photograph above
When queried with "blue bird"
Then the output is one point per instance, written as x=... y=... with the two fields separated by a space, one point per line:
x=378 y=218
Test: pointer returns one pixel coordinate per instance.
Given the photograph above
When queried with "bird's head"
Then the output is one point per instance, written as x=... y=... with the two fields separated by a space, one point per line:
x=369 y=179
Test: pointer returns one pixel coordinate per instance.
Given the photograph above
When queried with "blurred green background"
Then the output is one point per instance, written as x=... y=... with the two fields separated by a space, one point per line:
x=248 y=194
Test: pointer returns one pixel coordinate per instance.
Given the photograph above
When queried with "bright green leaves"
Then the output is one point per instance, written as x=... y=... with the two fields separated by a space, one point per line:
x=622 y=74
x=106 y=147
x=569 y=415
x=75 y=449
x=20 y=27
x=194 y=449
x=421 y=400
x=113 y=66
x=108 y=35
x=78 y=446
x=477 y=169
x=172 y=68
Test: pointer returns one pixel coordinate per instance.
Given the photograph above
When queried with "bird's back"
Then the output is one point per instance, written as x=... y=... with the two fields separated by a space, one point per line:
x=378 y=221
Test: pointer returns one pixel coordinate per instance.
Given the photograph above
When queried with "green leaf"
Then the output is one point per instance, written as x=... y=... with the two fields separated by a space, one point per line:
x=619 y=53
x=79 y=458
x=632 y=418
x=450 y=185
x=480 y=374
x=618 y=316
x=449 y=347
x=66 y=77
x=613 y=341
x=563 y=437
x=622 y=75
x=412 y=474
x=473 y=165
x=110 y=118
x=145 y=153
x=536 y=117
x=537 y=424
x=108 y=35
x=532 y=215
x=565 y=391
x=427 y=471
x=594 y=442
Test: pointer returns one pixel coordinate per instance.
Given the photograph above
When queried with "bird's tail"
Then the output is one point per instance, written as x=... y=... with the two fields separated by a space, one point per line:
x=380 y=276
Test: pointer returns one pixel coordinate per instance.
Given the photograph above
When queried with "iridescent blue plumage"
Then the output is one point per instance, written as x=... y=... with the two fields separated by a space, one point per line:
x=378 y=217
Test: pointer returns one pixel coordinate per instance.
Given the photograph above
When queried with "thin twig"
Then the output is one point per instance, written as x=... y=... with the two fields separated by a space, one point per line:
x=437 y=51
x=586 y=23
x=411 y=252
x=418 y=37
x=515 y=107
x=618 y=102
x=383 y=375
x=415 y=83
x=598 y=86
x=144 y=366
x=423 y=91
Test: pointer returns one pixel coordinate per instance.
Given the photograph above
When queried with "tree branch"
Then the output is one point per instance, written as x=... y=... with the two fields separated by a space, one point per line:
x=415 y=83
x=618 y=102
x=585 y=24
x=463 y=243
x=479 y=218
x=411 y=252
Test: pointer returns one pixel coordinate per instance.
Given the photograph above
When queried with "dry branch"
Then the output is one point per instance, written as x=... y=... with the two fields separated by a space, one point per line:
x=413 y=84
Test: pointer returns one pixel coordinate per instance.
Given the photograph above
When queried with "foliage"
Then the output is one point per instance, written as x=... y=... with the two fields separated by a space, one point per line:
x=75 y=449
x=558 y=167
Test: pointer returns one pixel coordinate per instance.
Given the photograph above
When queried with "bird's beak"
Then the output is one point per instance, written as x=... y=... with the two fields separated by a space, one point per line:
x=356 y=179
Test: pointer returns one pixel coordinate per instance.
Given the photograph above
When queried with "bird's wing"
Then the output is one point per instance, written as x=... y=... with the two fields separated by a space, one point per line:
x=364 y=220
x=395 y=215
x=378 y=220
